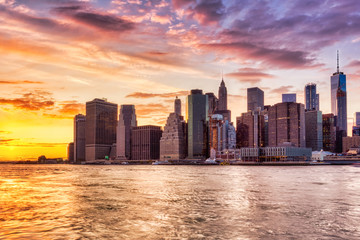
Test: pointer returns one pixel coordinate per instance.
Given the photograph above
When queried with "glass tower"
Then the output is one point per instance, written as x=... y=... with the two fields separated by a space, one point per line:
x=338 y=98
x=311 y=98
x=197 y=114
x=255 y=98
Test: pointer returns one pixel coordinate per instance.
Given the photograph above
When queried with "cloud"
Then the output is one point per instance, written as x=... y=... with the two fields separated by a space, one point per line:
x=209 y=11
x=7 y=141
x=249 y=75
x=152 y=110
x=280 y=58
x=354 y=64
x=31 y=101
x=99 y=21
x=282 y=89
x=66 y=110
x=152 y=95
x=19 y=82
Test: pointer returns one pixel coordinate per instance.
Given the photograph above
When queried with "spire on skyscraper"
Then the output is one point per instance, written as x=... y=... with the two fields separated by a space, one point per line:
x=337 y=68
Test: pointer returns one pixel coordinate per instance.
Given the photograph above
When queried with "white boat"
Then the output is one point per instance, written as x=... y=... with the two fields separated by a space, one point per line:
x=211 y=161
x=161 y=163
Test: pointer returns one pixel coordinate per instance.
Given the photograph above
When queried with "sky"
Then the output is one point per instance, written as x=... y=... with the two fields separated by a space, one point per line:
x=58 y=54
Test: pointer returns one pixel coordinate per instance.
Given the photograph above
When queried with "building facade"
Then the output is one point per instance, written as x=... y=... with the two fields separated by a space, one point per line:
x=177 y=106
x=100 y=132
x=311 y=97
x=70 y=152
x=197 y=120
x=79 y=138
x=329 y=132
x=145 y=142
x=314 y=130
x=212 y=102
x=250 y=129
x=350 y=142
x=173 y=139
x=289 y=97
x=127 y=120
x=286 y=124
x=255 y=99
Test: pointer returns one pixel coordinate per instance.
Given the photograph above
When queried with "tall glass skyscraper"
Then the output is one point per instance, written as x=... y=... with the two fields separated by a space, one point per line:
x=338 y=98
x=311 y=98
x=197 y=114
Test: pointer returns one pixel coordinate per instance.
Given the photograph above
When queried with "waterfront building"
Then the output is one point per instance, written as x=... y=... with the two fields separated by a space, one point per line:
x=250 y=129
x=311 y=97
x=197 y=120
x=338 y=99
x=275 y=155
x=314 y=130
x=329 y=132
x=100 y=130
x=79 y=138
x=145 y=142
x=350 y=142
x=173 y=139
x=287 y=124
x=222 y=102
x=215 y=132
x=255 y=99
x=289 y=97
x=230 y=134
x=70 y=152
x=127 y=120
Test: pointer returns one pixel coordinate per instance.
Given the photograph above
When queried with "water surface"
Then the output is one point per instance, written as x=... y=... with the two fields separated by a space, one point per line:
x=179 y=202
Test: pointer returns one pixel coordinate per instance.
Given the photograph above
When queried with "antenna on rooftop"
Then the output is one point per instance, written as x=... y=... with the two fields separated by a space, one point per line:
x=337 y=62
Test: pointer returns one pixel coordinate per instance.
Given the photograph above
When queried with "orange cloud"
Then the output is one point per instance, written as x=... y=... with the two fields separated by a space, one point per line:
x=19 y=82
x=152 y=95
x=31 y=101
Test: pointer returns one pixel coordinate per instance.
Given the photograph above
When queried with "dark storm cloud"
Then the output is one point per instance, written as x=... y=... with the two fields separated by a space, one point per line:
x=100 y=21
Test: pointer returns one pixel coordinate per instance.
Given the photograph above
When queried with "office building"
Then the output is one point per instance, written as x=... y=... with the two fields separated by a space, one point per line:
x=222 y=102
x=145 y=142
x=229 y=134
x=338 y=99
x=212 y=102
x=79 y=138
x=100 y=131
x=250 y=129
x=350 y=142
x=329 y=132
x=311 y=97
x=197 y=120
x=255 y=99
x=216 y=122
x=356 y=131
x=287 y=124
x=314 y=130
x=289 y=97
x=127 y=120
x=173 y=139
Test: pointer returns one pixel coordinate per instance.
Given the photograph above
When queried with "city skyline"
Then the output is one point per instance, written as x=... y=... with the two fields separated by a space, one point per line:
x=57 y=56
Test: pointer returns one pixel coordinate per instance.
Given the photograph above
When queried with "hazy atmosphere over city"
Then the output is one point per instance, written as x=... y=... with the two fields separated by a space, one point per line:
x=56 y=55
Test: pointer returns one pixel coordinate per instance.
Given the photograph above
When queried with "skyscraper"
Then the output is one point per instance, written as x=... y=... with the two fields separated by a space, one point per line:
x=79 y=138
x=287 y=124
x=197 y=114
x=177 y=106
x=101 y=119
x=127 y=120
x=314 y=130
x=212 y=102
x=250 y=129
x=329 y=132
x=338 y=98
x=289 y=97
x=173 y=139
x=222 y=104
x=357 y=118
x=255 y=99
x=145 y=142
x=311 y=97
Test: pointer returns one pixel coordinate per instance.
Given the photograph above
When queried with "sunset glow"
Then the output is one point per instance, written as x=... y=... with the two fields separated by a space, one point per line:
x=56 y=55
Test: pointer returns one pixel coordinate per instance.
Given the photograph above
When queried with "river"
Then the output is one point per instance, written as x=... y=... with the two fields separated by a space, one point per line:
x=179 y=202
